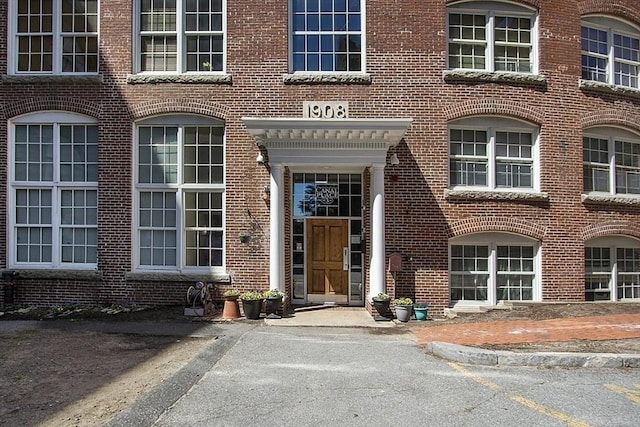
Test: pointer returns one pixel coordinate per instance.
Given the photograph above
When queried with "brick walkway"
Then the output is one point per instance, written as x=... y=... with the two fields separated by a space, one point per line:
x=523 y=331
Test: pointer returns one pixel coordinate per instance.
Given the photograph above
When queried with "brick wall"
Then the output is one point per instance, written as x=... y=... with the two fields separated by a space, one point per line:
x=406 y=46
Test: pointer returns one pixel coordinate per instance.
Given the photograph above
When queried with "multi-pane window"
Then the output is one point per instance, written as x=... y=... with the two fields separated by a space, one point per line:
x=491 y=272
x=54 y=194
x=610 y=52
x=327 y=35
x=180 y=194
x=612 y=273
x=491 y=158
x=491 y=41
x=181 y=36
x=611 y=163
x=55 y=36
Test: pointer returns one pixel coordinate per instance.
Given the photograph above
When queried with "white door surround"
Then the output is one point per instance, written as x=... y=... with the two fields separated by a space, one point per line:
x=336 y=143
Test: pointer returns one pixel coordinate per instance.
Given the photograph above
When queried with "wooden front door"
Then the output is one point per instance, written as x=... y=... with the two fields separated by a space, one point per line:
x=328 y=271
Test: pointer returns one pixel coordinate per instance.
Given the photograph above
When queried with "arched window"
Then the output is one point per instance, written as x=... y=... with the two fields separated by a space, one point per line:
x=489 y=268
x=612 y=268
x=53 y=202
x=492 y=36
x=180 y=188
x=611 y=161
x=493 y=153
x=610 y=51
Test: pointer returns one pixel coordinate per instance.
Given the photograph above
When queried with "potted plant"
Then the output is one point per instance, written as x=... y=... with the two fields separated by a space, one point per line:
x=273 y=302
x=231 y=308
x=404 y=307
x=381 y=303
x=252 y=304
x=421 y=309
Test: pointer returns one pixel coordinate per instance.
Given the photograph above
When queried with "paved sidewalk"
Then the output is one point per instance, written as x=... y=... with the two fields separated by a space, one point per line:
x=528 y=331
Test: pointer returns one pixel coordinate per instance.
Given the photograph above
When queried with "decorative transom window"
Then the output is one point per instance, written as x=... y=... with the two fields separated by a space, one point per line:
x=610 y=51
x=491 y=36
x=327 y=35
x=180 y=189
x=181 y=36
x=488 y=268
x=612 y=269
x=492 y=153
x=53 y=202
x=54 y=36
x=611 y=161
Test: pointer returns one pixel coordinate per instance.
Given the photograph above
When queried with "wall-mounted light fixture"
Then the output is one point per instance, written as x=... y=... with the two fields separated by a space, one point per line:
x=260 y=158
x=394 y=160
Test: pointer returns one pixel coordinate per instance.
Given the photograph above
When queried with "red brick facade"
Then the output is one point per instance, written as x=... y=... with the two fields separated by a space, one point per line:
x=406 y=56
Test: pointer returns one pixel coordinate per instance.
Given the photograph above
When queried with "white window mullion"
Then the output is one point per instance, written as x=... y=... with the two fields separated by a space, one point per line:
x=612 y=166
x=491 y=39
x=493 y=275
x=181 y=42
x=492 y=162
x=613 y=282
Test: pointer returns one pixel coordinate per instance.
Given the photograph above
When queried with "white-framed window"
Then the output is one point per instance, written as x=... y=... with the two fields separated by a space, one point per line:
x=174 y=36
x=490 y=268
x=493 y=153
x=53 y=199
x=180 y=193
x=610 y=51
x=54 y=37
x=611 y=161
x=612 y=269
x=327 y=35
x=492 y=36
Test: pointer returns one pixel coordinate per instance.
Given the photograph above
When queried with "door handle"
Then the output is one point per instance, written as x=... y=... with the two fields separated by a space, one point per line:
x=345 y=259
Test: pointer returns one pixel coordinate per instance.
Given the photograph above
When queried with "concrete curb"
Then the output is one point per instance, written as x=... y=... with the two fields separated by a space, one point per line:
x=479 y=356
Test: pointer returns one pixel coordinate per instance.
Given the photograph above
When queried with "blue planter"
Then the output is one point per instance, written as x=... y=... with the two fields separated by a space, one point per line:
x=421 y=313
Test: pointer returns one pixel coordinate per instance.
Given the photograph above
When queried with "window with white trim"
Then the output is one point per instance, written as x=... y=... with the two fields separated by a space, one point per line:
x=54 y=36
x=53 y=200
x=492 y=153
x=611 y=161
x=488 y=268
x=327 y=35
x=491 y=36
x=612 y=269
x=176 y=36
x=180 y=188
x=610 y=51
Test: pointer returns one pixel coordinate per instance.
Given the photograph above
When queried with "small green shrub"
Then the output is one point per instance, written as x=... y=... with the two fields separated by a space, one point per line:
x=404 y=301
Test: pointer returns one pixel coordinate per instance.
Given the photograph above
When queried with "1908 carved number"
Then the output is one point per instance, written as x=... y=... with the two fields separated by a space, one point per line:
x=325 y=110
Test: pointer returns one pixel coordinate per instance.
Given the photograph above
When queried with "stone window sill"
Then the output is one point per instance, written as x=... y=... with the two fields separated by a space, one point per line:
x=51 y=79
x=326 y=78
x=509 y=196
x=593 y=86
x=608 y=199
x=134 y=79
x=471 y=76
x=22 y=273
x=155 y=276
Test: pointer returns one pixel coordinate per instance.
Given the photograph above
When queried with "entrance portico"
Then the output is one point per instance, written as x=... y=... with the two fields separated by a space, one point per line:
x=341 y=146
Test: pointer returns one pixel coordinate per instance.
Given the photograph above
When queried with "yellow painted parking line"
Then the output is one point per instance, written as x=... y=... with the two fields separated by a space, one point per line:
x=631 y=394
x=572 y=422
x=549 y=412
x=476 y=378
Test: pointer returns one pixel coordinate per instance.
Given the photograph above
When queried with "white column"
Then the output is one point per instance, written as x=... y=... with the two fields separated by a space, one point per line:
x=377 y=270
x=276 y=232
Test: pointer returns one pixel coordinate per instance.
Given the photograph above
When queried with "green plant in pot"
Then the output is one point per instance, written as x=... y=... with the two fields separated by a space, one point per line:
x=421 y=309
x=273 y=302
x=252 y=304
x=404 y=308
x=231 y=308
x=381 y=303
